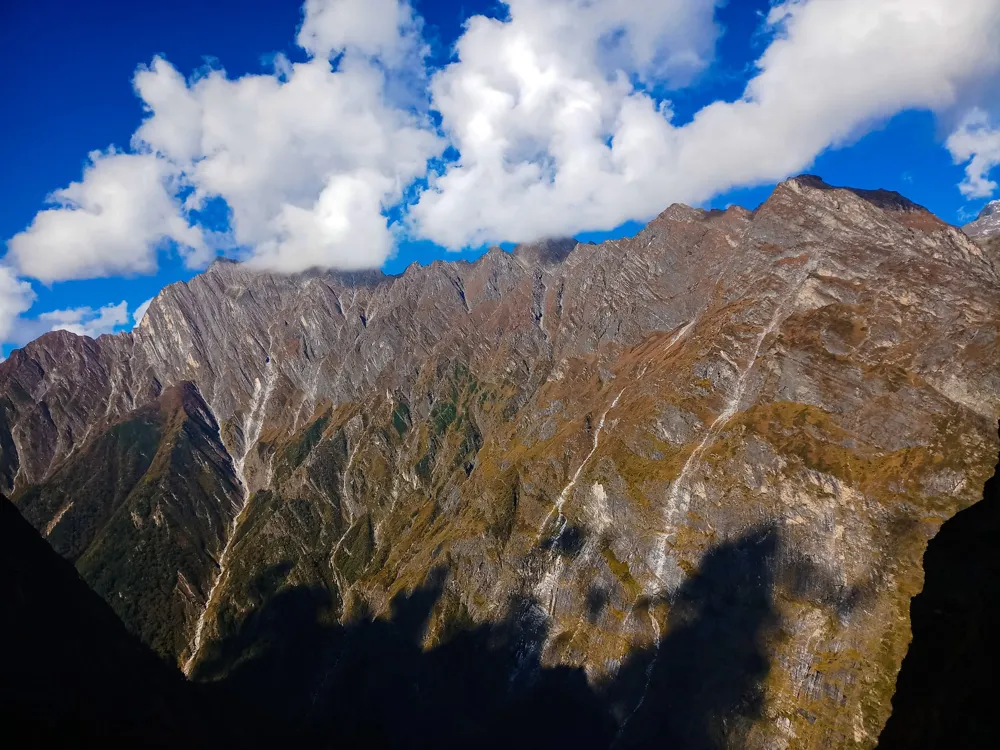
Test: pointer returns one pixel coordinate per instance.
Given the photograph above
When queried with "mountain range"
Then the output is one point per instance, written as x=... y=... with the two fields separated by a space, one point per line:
x=677 y=487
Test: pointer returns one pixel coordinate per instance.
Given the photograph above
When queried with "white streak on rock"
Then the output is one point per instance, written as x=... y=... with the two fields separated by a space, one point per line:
x=57 y=518
x=251 y=434
x=561 y=500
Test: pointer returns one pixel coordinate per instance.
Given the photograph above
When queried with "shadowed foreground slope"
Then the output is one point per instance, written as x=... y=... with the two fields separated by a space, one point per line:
x=372 y=682
x=290 y=673
x=947 y=689
x=72 y=673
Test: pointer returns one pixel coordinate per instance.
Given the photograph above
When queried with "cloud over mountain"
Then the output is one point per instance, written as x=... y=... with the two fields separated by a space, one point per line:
x=554 y=141
x=16 y=297
x=554 y=119
x=110 y=223
x=976 y=143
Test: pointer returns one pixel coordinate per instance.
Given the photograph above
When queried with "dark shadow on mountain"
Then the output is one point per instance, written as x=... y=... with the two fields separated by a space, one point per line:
x=289 y=674
x=308 y=681
x=805 y=579
x=948 y=686
x=567 y=540
x=705 y=683
x=597 y=600
x=71 y=675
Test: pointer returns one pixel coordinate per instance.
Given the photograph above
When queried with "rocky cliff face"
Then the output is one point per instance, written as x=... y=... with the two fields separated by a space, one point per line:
x=985 y=230
x=735 y=429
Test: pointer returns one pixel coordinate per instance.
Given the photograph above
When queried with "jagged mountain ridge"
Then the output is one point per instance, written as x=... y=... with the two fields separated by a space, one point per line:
x=580 y=428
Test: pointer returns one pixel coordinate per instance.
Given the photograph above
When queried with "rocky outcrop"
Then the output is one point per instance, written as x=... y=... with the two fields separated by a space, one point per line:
x=793 y=400
x=987 y=224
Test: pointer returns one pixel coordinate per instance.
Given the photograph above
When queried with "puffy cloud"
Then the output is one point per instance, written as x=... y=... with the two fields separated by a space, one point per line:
x=86 y=321
x=387 y=29
x=976 y=144
x=83 y=321
x=344 y=227
x=655 y=40
x=140 y=312
x=308 y=159
x=555 y=113
x=111 y=222
x=553 y=141
x=16 y=297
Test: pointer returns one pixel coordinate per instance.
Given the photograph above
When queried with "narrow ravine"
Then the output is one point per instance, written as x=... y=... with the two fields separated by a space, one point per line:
x=679 y=497
x=251 y=434
x=549 y=585
x=645 y=689
x=51 y=525
x=678 y=503
x=561 y=500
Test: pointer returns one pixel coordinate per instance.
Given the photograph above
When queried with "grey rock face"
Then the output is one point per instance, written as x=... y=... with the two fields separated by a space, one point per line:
x=987 y=224
x=567 y=424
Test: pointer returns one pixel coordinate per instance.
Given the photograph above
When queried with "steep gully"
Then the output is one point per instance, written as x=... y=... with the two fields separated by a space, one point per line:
x=675 y=505
x=549 y=585
x=251 y=434
x=679 y=497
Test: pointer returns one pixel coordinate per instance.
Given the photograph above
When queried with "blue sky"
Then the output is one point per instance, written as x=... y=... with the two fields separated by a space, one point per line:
x=69 y=92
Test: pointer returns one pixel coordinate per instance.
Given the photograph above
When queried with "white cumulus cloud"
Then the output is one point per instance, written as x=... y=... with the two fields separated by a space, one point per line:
x=308 y=160
x=976 y=144
x=386 y=29
x=83 y=321
x=111 y=222
x=16 y=297
x=554 y=137
x=558 y=115
x=87 y=321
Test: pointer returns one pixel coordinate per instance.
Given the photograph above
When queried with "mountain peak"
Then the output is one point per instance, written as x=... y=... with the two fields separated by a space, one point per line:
x=684 y=213
x=682 y=411
x=812 y=189
x=990 y=209
x=987 y=224
x=808 y=180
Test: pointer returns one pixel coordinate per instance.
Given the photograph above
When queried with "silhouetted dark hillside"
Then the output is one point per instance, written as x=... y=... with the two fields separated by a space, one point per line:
x=70 y=673
x=949 y=684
